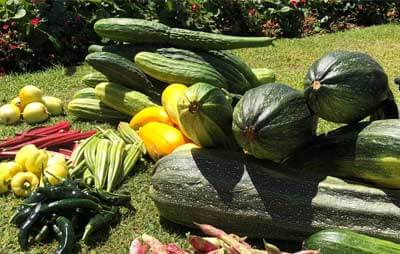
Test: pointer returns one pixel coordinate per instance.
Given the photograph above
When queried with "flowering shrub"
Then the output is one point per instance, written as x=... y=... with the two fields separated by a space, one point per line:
x=37 y=33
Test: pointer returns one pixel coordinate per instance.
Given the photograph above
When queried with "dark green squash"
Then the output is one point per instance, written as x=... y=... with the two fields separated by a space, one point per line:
x=342 y=241
x=272 y=121
x=258 y=199
x=345 y=87
x=205 y=116
x=368 y=151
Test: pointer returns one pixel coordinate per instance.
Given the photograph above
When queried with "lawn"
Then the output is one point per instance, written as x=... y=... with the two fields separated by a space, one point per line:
x=290 y=59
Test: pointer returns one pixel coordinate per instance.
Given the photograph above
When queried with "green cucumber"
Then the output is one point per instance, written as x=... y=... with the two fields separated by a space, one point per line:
x=264 y=75
x=93 y=78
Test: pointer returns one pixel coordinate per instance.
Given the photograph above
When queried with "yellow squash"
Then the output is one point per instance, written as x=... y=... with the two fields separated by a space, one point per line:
x=160 y=139
x=149 y=114
x=169 y=100
x=10 y=168
x=3 y=182
x=37 y=161
x=23 y=183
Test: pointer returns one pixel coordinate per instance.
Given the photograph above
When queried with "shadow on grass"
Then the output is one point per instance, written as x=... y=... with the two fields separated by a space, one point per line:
x=70 y=70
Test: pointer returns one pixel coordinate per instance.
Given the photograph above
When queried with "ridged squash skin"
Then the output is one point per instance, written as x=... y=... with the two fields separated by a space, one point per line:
x=144 y=31
x=95 y=110
x=120 y=70
x=258 y=199
x=122 y=99
x=85 y=93
x=341 y=241
x=345 y=87
x=365 y=151
x=205 y=116
x=93 y=78
x=178 y=71
x=272 y=121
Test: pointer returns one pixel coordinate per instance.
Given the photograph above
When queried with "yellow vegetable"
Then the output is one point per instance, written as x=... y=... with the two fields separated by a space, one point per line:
x=169 y=100
x=149 y=114
x=23 y=183
x=55 y=172
x=11 y=168
x=17 y=102
x=54 y=105
x=160 y=139
x=29 y=94
x=37 y=161
x=35 y=112
x=9 y=114
x=56 y=158
x=3 y=182
x=187 y=146
x=23 y=154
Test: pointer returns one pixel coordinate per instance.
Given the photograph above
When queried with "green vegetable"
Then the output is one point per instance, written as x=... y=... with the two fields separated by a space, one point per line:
x=93 y=78
x=259 y=199
x=340 y=241
x=128 y=51
x=144 y=31
x=115 y=168
x=87 y=93
x=120 y=70
x=264 y=75
x=94 y=109
x=178 y=71
x=25 y=229
x=71 y=203
x=65 y=234
x=43 y=233
x=272 y=121
x=364 y=151
x=99 y=221
x=205 y=116
x=21 y=215
x=112 y=199
x=345 y=87
x=122 y=99
x=53 y=193
x=101 y=162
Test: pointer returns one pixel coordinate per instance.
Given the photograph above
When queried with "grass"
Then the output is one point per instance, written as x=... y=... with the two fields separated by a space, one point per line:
x=290 y=59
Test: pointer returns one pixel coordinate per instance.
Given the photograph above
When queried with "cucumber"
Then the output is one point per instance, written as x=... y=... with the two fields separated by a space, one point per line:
x=259 y=199
x=93 y=78
x=341 y=241
x=264 y=75
x=144 y=31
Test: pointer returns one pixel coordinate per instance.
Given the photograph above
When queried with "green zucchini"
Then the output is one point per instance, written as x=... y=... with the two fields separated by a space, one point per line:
x=144 y=31
x=367 y=151
x=122 y=99
x=341 y=241
x=94 y=109
x=259 y=199
x=121 y=70
x=93 y=78
x=178 y=71
x=128 y=51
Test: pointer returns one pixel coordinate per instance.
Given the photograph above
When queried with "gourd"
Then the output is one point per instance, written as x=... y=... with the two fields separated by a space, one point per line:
x=93 y=78
x=272 y=121
x=260 y=199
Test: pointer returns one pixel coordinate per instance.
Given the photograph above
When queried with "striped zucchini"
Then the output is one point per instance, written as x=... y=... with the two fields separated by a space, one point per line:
x=94 y=109
x=122 y=99
x=87 y=93
x=93 y=78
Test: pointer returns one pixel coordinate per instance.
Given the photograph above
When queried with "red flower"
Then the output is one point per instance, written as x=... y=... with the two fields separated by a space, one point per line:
x=293 y=2
x=13 y=46
x=195 y=7
x=35 y=21
x=251 y=12
x=303 y=1
x=6 y=26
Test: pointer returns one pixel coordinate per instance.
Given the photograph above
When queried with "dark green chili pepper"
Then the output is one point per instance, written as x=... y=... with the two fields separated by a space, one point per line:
x=26 y=227
x=100 y=220
x=65 y=235
x=21 y=214
x=43 y=233
x=71 y=203
x=35 y=197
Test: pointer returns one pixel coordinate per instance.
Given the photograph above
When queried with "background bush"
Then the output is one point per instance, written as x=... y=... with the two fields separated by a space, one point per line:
x=37 y=33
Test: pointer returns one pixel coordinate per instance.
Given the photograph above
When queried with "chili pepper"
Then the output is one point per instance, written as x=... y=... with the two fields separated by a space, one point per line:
x=65 y=235
x=21 y=215
x=71 y=203
x=60 y=192
x=26 y=227
x=35 y=197
x=43 y=233
x=111 y=198
x=100 y=220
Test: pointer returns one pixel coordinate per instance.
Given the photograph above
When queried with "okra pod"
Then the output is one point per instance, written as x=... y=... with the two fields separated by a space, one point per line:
x=101 y=162
x=130 y=136
x=131 y=157
x=115 y=167
x=90 y=153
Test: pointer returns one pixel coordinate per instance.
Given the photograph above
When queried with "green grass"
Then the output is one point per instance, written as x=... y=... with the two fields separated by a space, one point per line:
x=290 y=59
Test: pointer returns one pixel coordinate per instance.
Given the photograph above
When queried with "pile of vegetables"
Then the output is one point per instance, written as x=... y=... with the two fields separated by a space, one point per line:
x=106 y=159
x=67 y=211
x=32 y=106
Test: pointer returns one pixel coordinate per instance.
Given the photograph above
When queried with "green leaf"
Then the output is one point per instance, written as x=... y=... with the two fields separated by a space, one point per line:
x=52 y=39
x=285 y=9
x=19 y=14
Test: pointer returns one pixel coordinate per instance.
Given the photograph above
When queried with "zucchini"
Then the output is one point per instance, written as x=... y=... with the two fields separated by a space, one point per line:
x=122 y=99
x=128 y=51
x=121 y=70
x=85 y=93
x=365 y=151
x=259 y=199
x=341 y=241
x=94 y=109
x=93 y=78
x=264 y=75
x=144 y=31
x=178 y=71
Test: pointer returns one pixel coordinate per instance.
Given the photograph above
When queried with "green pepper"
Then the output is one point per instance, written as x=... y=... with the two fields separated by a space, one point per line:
x=43 y=233
x=65 y=235
x=21 y=214
x=24 y=231
x=100 y=220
